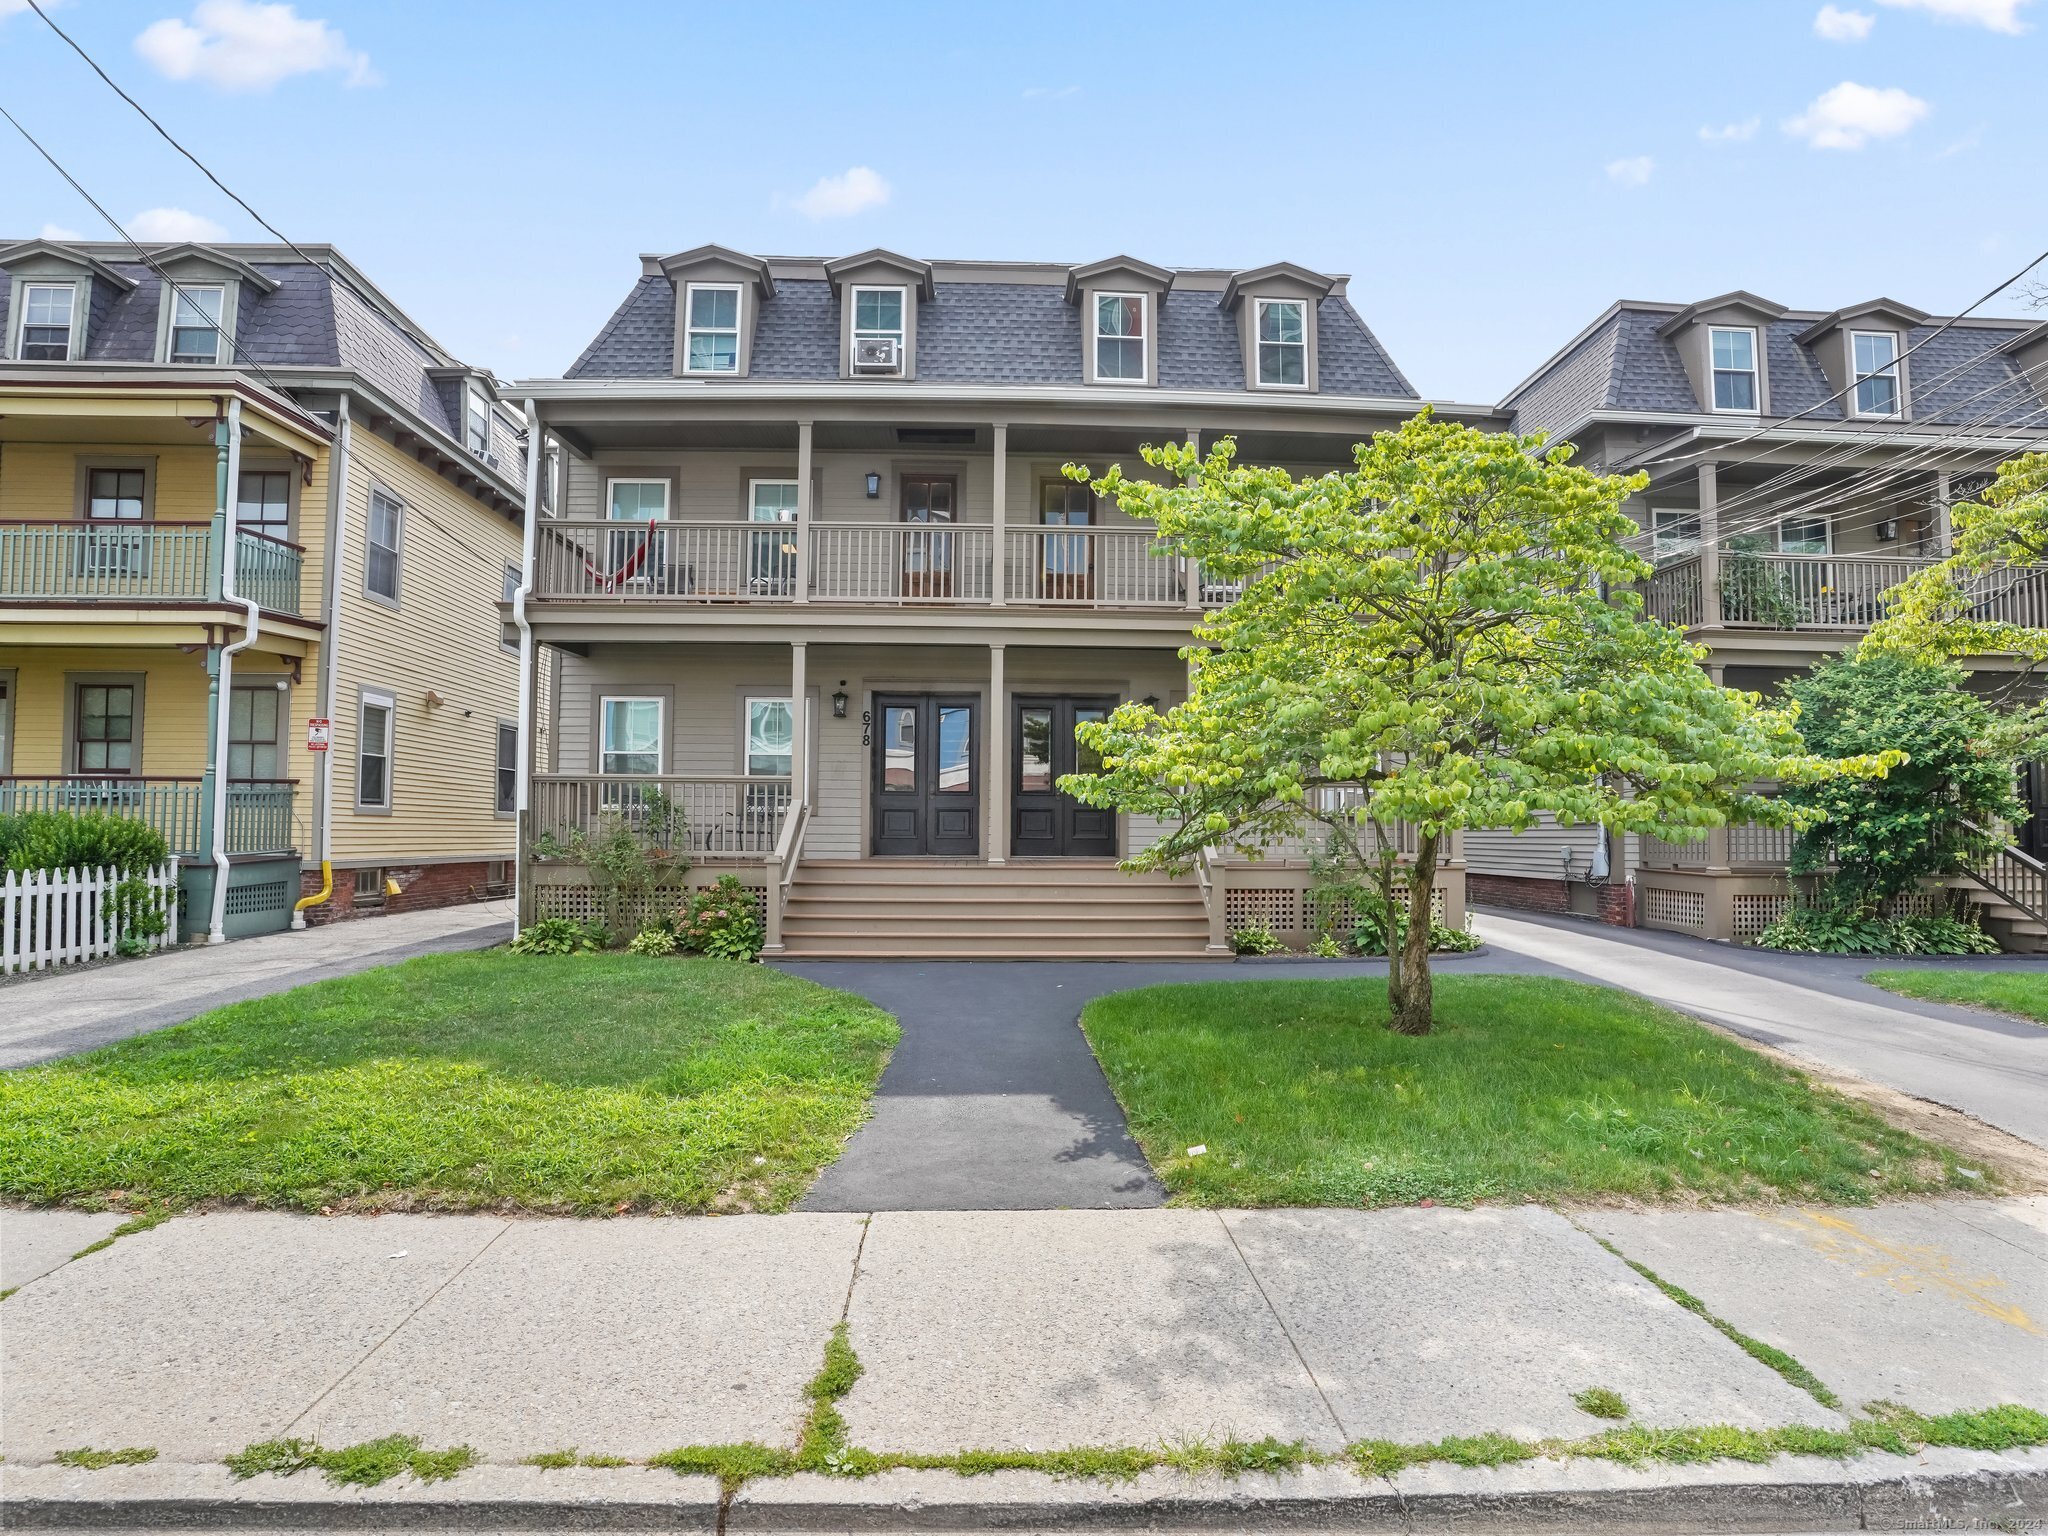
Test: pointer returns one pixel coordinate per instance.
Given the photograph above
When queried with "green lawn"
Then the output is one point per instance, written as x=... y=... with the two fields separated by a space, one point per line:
x=579 y=1083
x=1530 y=1089
x=2024 y=994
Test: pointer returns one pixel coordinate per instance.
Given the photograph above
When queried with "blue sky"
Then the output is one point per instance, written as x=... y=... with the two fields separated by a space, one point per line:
x=1492 y=175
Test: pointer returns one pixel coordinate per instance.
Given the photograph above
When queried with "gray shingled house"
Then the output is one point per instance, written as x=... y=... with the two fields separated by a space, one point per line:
x=811 y=571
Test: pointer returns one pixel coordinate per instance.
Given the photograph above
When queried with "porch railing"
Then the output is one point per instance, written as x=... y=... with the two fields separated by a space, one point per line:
x=703 y=816
x=141 y=563
x=902 y=562
x=1838 y=592
x=1093 y=567
x=261 y=812
x=1749 y=846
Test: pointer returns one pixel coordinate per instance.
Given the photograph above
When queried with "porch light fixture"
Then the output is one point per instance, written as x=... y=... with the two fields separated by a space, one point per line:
x=1151 y=701
x=874 y=485
x=839 y=703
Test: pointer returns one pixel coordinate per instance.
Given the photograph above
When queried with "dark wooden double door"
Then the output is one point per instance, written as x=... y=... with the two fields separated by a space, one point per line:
x=925 y=795
x=1046 y=822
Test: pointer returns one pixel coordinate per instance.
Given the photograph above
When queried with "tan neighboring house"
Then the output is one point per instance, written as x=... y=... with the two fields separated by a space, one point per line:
x=240 y=492
x=811 y=574
x=1801 y=462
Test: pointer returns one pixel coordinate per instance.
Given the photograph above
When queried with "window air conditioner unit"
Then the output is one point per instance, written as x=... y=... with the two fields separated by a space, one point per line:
x=877 y=354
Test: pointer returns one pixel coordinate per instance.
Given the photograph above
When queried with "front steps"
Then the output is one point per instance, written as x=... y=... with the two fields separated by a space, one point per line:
x=2017 y=932
x=938 y=909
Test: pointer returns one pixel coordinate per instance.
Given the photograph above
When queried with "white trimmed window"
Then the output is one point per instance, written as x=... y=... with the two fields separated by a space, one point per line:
x=47 y=323
x=878 y=316
x=1283 y=342
x=1120 y=336
x=637 y=501
x=1673 y=531
x=771 y=737
x=1734 y=357
x=373 y=751
x=712 y=340
x=381 y=546
x=507 y=785
x=195 y=324
x=629 y=739
x=1874 y=357
x=1803 y=534
x=478 y=424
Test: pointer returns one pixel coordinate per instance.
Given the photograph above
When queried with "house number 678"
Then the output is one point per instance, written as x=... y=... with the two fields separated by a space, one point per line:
x=867 y=721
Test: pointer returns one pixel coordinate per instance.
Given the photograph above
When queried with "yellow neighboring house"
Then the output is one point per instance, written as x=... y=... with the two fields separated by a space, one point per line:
x=241 y=493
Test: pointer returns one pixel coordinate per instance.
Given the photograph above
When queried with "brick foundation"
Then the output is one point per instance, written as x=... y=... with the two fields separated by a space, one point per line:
x=1524 y=893
x=422 y=887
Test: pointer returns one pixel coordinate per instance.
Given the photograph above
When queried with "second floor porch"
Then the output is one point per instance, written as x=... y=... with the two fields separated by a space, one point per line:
x=1775 y=590
x=143 y=564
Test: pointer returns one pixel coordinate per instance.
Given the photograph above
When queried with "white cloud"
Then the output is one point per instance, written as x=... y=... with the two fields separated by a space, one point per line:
x=837 y=197
x=174 y=224
x=1849 y=115
x=1732 y=133
x=59 y=232
x=1631 y=172
x=1840 y=26
x=243 y=45
x=1050 y=92
x=1994 y=15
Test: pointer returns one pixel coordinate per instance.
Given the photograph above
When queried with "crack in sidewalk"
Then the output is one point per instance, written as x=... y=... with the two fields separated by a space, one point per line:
x=1287 y=1333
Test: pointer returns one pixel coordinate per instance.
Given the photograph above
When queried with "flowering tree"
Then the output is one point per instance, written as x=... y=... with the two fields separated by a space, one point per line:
x=1444 y=631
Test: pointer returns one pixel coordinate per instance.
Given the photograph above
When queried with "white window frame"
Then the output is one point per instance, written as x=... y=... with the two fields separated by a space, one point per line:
x=611 y=488
x=1889 y=371
x=504 y=797
x=1259 y=347
x=1755 y=372
x=900 y=334
x=18 y=315
x=397 y=546
x=604 y=716
x=690 y=329
x=1097 y=337
x=1669 y=548
x=1827 y=533
x=479 y=413
x=747 y=734
x=176 y=296
x=366 y=700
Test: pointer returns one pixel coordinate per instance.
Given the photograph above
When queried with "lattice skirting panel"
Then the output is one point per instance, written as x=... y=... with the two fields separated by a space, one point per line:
x=580 y=902
x=1665 y=908
x=1753 y=914
x=1291 y=913
x=263 y=896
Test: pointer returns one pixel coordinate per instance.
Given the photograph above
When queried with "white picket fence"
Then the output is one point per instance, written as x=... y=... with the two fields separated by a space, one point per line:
x=51 y=917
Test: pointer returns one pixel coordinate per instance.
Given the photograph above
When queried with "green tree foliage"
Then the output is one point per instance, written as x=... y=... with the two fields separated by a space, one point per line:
x=1884 y=835
x=1952 y=609
x=1443 y=632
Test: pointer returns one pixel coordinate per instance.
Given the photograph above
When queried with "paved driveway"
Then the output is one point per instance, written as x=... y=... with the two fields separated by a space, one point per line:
x=1814 y=1006
x=57 y=1013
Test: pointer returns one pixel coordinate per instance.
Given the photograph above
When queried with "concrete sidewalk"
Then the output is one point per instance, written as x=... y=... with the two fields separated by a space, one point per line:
x=57 y=1013
x=1813 y=1006
x=989 y=1330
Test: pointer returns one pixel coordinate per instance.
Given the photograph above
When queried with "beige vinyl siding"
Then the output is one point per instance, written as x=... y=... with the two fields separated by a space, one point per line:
x=444 y=638
x=709 y=683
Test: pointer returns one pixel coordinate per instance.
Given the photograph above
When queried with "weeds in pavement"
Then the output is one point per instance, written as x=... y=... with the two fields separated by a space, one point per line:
x=1601 y=1403
x=98 y=1461
x=557 y=1460
x=363 y=1465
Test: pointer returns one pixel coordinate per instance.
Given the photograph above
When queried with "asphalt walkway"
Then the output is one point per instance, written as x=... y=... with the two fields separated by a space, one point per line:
x=56 y=1013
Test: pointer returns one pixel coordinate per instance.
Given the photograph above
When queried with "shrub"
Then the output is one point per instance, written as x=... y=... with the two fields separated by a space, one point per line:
x=1326 y=947
x=559 y=936
x=87 y=840
x=660 y=939
x=138 y=912
x=1369 y=937
x=1256 y=939
x=723 y=921
x=631 y=853
x=1845 y=930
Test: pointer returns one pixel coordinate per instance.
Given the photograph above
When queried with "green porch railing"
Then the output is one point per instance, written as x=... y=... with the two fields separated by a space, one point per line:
x=141 y=563
x=267 y=570
x=260 y=811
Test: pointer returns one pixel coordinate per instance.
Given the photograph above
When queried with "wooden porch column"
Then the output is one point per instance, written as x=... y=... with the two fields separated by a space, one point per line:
x=799 y=734
x=1710 y=545
x=1944 y=539
x=999 y=562
x=803 y=516
x=996 y=763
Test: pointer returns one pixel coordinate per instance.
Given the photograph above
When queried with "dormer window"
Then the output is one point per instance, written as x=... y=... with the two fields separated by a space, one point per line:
x=1874 y=356
x=1734 y=355
x=46 y=321
x=479 y=422
x=195 y=324
x=1283 y=343
x=878 y=336
x=713 y=342
x=1120 y=337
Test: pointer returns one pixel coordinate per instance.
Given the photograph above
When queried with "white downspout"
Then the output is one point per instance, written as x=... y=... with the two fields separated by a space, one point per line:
x=330 y=651
x=536 y=461
x=223 y=717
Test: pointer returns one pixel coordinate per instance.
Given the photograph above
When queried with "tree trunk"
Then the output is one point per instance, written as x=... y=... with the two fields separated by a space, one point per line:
x=1410 y=994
